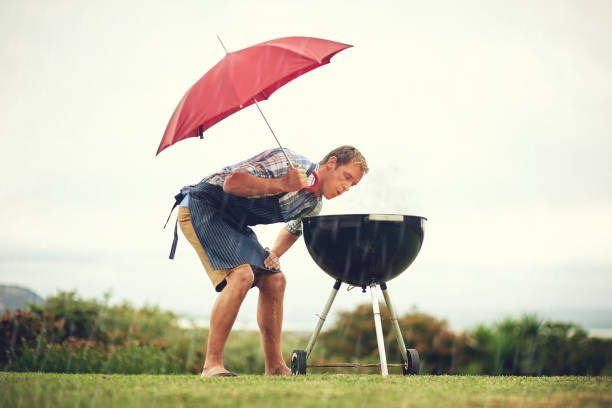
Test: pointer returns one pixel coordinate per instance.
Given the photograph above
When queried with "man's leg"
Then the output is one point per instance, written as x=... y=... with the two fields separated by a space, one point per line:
x=270 y=319
x=223 y=315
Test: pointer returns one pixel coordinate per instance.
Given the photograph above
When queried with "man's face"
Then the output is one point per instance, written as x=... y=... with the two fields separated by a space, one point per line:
x=339 y=179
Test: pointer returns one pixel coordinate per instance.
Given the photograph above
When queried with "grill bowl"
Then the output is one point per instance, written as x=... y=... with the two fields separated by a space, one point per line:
x=362 y=249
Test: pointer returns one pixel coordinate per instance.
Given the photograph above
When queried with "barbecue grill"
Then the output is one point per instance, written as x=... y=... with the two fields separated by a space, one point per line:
x=363 y=250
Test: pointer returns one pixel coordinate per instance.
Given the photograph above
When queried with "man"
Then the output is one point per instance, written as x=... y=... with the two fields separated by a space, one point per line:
x=215 y=216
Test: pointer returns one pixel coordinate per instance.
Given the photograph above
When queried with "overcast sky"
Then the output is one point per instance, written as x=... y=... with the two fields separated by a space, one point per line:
x=493 y=119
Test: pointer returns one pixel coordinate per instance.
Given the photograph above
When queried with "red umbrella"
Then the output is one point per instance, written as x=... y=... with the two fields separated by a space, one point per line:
x=242 y=78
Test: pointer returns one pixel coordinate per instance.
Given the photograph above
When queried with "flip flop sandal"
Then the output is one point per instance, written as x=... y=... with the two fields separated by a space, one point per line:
x=228 y=374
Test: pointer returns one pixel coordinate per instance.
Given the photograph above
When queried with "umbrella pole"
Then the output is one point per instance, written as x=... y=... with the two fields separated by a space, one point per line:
x=262 y=115
x=273 y=134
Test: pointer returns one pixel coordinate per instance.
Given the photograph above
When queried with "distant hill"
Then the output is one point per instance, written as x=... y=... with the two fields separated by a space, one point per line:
x=15 y=297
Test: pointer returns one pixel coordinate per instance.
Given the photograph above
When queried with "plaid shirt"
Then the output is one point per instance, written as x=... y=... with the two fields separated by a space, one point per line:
x=273 y=164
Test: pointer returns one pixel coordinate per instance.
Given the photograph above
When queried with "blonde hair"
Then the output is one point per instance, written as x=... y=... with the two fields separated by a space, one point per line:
x=346 y=154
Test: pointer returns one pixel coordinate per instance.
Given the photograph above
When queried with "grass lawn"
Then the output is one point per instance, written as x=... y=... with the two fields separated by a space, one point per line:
x=312 y=390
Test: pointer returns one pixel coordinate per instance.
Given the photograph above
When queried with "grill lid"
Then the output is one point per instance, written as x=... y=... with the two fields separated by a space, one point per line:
x=361 y=249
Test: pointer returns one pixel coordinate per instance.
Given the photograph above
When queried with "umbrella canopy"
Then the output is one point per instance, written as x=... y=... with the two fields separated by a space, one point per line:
x=243 y=77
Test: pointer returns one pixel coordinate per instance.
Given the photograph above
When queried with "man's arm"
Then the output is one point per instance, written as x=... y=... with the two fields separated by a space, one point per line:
x=284 y=241
x=245 y=184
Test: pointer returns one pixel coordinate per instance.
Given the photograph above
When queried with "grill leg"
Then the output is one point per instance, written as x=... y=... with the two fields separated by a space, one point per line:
x=379 y=333
x=396 y=328
x=322 y=318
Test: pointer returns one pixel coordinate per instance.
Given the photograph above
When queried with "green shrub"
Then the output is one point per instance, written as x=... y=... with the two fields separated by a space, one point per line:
x=529 y=346
x=24 y=328
x=72 y=335
x=73 y=356
x=97 y=321
x=124 y=322
x=87 y=357
x=81 y=318
x=353 y=339
x=507 y=348
x=523 y=346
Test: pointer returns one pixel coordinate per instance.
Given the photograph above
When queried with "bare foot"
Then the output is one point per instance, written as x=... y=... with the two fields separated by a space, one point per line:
x=282 y=370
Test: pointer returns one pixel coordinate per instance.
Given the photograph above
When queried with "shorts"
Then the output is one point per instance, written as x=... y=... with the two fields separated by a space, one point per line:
x=217 y=276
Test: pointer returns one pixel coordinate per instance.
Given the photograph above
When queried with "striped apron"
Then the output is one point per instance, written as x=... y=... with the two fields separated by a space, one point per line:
x=222 y=224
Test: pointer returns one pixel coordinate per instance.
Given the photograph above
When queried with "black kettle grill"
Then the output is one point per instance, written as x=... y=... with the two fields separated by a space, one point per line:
x=363 y=250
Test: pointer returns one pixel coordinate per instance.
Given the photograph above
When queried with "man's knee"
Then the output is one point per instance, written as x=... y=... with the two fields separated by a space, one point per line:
x=241 y=277
x=274 y=282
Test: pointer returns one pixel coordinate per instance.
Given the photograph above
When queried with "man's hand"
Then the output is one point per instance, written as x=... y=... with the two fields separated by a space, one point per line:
x=272 y=261
x=295 y=179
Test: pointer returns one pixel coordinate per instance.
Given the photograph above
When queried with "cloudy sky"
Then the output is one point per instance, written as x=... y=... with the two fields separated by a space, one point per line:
x=490 y=118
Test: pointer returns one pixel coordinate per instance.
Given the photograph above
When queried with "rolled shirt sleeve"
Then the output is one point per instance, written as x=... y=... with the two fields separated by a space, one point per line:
x=270 y=164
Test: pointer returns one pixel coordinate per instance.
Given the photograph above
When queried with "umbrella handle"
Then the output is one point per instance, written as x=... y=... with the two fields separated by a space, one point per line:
x=316 y=182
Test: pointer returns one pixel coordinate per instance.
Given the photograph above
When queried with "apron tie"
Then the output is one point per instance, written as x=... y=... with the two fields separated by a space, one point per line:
x=178 y=198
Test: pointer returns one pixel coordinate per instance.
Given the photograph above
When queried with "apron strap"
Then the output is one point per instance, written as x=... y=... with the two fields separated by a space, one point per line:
x=174 y=241
x=177 y=200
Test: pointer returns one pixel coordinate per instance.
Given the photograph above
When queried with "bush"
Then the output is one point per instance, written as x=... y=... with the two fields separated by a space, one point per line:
x=523 y=346
x=124 y=322
x=26 y=329
x=529 y=346
x=97 y=321
x=70 y=334
x=46 y=357
x=353 y=339
x=86 y=357
x=73 y=335
x=81 y=318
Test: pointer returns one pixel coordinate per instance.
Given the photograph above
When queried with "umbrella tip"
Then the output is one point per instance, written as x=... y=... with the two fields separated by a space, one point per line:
x=219 y=38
